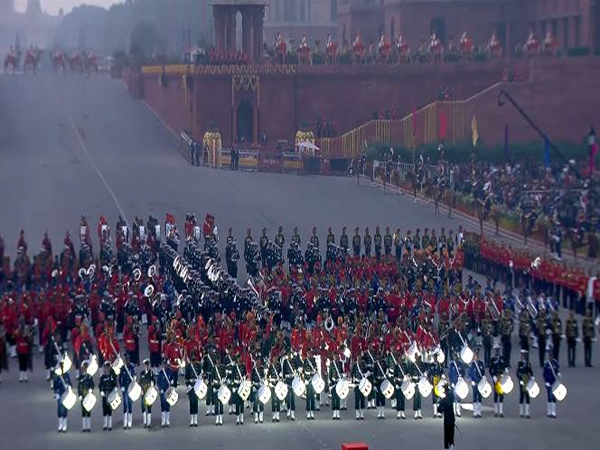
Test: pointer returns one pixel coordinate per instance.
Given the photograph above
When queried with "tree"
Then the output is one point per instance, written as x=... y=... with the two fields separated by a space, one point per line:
x=146 y=40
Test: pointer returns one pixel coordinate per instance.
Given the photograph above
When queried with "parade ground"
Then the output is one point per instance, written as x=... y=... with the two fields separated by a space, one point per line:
x=71 y=146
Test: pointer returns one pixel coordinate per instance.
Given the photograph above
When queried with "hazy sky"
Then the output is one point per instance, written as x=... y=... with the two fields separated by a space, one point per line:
x=52 y=6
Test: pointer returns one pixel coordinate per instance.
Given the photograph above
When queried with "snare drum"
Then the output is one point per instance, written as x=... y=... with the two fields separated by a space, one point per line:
x=484 y=387
x=171 y=396
x=244 y=390
x=281 y=390
x=532 y=388
x=264 y=394
x=200 y=388
x=365 y=387
x=408 y=389
x=424 y=387
x=317 y=383
x=342 y=389
x=224 y=394
x=114 y=399
x=387 y=388
x=89 y=401
x=298 y=386
x=150 y=396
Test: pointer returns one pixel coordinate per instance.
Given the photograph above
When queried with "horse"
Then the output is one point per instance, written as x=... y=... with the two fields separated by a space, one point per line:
x=402 y=52
x=76 y=63
x=358 y=52
x=331 y=52
x=10 y=61
x=383 y=52
x=304 y=54
x=281 y=51
x=59 y=63
x=466 y=48
x=436 y=50
x=32 y=60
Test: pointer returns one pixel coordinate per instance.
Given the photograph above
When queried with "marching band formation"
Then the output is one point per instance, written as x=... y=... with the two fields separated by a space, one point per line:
x=380 y=321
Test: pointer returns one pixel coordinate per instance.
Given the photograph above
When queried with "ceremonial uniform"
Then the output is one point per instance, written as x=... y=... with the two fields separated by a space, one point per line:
x=193 y=372
x=446 y=408
x=336 y=372
x=290 y=366
x=455 y=372
x=60 y=385
x=541 y=325
x=309 y=370
x=274 y=375
x=387 y=242
x=358 y=373
x=147 y=380
x=556 y=336
x=572 y=333
x=164 y=383
x=497 y=368
x=344 y=240
x=506 y=329
x=380 y=373
x=126 y=377
x=107 y=384
x=356 y=243
x=476 y=373
x=367 y=241
x=589 y=333
x=399 y=377
x=524 y=374
x=378 y=242
x=85 y=386
x=524 y=329
x=551 y=376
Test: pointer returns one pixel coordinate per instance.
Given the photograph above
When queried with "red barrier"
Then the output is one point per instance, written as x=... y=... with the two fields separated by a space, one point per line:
x=355 y=446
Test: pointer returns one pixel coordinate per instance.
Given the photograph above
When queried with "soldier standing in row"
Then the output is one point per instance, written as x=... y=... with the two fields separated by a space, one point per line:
x=344 y=240
x=367 y=241
x=146 y=381
x=378 y=241
x=572 y=333
x=85 y=386
x=279 y=237
x=589 y=333
x=524 y=374
x=314 y=239
x=106 y=385
x=356 y=243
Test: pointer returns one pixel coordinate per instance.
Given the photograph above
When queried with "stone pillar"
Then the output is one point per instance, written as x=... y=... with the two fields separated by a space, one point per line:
x=233 y=28
x=257 y=33
x=219 y=28
x=247 y=29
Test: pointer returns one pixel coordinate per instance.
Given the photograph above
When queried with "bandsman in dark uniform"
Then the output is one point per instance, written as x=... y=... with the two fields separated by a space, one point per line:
x=291 y=363
x=336 y=371
x=398 y=242
x=126 y=377
x=274 y=375
x=556 y=335
x=487 y=329
x=589 y=333
x=258 y=373
x=279 y=237
x=387 y=242
x=400 y=375
x=425 y=239
x=60 y=384
x=572 y=333
x=380 y=374
x=476 y=373
x=506 y=330
x=309 y=370
x=417 y=240
x=359 y=370
x=164 y=383
x=356 y=243
x=296 y=236
x=247 y=241
x=146 y=381
x=85 y=386
x=330 y=237
x=378 y=242
x=541 y=325
x=367 y=241
x=415 y=374
x=344 y=240
x=433 y=241
x=408 y=243
x=106 y=385
x=497 y=368
x=264 y=243
x=551 y=375
x=524 y=374
x=442 y=240
x=524 y=329
x=193 y=371
x=314 y=239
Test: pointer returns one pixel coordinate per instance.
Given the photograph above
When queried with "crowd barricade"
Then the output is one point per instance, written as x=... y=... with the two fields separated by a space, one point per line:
x=292 y=162
x=249 y=159
x=338 y=166
x=270 y=162
x=224 y=161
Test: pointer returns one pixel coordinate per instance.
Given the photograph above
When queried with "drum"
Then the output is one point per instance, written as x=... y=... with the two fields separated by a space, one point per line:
x=264 y=394
x=117 y=364
x=408 y=389
x=92 y=366
x=142 y=229
x=82 y=232
x=68 y=399
x=224 y=394
x=150 y=396
x=466 y=354
x=439 y=387
x=559 y=391
x=317 y=383
x=114 y=399
x=134 y=390
x=157 y=232
x=200 y=388
x=412 y=351
x=532 y=388
x=171 y=396
x=365 y=387
x=506 y=384
x=462 y=388
x=89 y=401
x=197 y=234
x=484 y=387
x=342 y=389
x=281 y=390
x=244 y=390
x=298 y=387
x=425 y=387
x=387 y=388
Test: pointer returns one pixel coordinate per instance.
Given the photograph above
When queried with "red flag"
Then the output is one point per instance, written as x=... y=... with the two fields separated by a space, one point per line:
x=443 y=125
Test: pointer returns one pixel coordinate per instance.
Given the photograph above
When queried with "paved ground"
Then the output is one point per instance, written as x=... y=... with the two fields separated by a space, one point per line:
x=70 y=146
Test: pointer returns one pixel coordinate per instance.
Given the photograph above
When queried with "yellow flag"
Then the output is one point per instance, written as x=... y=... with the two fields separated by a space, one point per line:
x=474 y=130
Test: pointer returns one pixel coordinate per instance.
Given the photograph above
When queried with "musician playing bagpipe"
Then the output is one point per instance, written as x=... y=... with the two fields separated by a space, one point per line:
x=107 y=384
x=147 y=380
x=524 y=375
x=84 y=387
